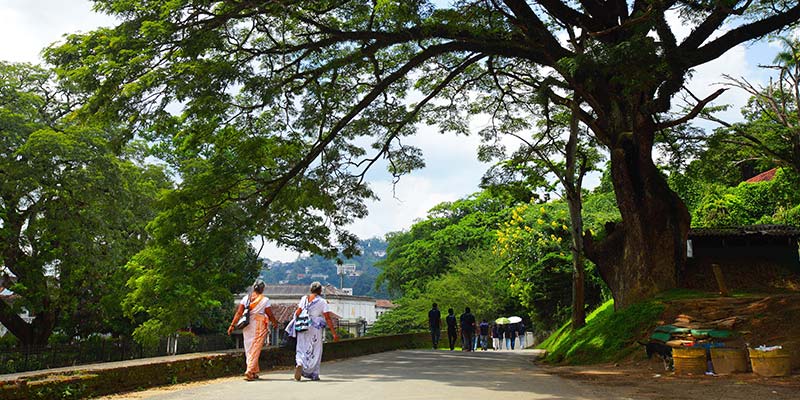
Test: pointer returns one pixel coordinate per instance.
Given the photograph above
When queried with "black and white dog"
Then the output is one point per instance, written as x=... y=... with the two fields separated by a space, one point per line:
x=661 y=350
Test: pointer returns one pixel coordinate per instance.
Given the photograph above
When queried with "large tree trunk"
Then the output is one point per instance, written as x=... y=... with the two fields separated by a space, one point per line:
x=35 y=333
x=643 y=255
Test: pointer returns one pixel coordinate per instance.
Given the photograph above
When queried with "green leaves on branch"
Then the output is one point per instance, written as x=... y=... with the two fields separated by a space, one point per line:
x=73 y=210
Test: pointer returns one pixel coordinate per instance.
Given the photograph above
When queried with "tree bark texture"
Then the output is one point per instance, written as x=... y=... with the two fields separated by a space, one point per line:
x=578 y=269
x=642 y=255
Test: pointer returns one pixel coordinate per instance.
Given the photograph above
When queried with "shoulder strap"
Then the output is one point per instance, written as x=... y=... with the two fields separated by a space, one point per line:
x=258 y=300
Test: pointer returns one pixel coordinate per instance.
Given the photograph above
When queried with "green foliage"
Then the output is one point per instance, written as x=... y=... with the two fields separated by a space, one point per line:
x=527 y=269
x=73 y=209
x=409 y=316
x=768 y=202
x=343 y=334
x=535 y=246
x=176 y=278
x=608 y=335
x=474 y=280
x=425 y=252
x=284 y=106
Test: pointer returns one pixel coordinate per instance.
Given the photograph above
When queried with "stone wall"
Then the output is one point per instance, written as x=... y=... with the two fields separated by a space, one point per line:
x=90 y=381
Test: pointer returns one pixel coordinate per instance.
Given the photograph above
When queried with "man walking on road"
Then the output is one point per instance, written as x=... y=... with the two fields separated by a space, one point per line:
x=435 y=324
x=484 y=334
x=452 y=328
x=467 y=329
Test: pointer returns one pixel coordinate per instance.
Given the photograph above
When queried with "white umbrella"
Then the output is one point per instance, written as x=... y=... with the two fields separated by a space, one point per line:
x=514 y=319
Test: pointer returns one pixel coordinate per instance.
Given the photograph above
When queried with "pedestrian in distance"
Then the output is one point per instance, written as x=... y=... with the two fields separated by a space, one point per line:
x=435 y=325
x=511 y=336
x=308 y=324
x=521 y=333
x=255 y=333
x=501 y=331
x=467 y=321
x=452 y=328
x=495 y=337
x=483 y=329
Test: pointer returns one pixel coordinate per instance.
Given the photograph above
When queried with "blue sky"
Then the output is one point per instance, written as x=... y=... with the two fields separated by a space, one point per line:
x=452 y=170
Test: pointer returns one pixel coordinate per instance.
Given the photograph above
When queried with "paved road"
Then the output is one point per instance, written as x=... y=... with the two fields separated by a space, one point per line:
x=409 y=374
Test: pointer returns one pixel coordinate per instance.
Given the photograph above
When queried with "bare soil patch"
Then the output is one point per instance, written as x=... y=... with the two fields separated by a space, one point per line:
x=770 y=320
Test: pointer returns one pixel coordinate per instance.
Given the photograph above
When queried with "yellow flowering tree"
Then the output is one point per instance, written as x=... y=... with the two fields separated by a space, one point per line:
x=534 y=244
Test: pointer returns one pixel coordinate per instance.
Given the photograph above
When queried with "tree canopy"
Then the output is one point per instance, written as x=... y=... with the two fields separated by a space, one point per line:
x=72 y=210
x=293 y=101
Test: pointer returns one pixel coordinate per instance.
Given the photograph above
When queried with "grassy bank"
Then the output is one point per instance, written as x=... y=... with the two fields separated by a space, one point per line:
x=608 y=336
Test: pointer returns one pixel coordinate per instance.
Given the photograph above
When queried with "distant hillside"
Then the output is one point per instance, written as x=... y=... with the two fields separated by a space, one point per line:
x=316 y=268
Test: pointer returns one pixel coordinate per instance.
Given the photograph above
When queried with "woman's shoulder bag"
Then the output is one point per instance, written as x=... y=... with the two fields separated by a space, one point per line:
x=303 y=321
x=244 y=320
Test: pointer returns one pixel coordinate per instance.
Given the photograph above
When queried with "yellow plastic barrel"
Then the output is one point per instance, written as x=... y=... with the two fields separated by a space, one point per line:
x=771 y=363
x=728 y=360
x=689 y=360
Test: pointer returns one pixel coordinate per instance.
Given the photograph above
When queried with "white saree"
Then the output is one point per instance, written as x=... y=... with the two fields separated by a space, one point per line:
x=309 y=343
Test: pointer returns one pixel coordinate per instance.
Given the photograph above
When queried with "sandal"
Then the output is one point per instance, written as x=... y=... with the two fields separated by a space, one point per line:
x=298 y=372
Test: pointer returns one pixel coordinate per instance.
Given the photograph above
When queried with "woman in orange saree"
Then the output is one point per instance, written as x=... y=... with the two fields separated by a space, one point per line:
x=255 y=333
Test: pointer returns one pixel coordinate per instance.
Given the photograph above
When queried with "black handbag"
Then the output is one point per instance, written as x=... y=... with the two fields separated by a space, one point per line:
x=244 y=320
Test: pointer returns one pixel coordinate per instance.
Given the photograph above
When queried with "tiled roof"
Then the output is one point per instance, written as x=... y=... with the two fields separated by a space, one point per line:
x=384 y=304
x=298 y=290
x=283 y=313
x=752 y=230
x=764 y=176
x=294 y=290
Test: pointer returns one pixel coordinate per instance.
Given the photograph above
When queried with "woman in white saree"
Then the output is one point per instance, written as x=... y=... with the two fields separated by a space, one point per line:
x=256 y=331
x=308 y=354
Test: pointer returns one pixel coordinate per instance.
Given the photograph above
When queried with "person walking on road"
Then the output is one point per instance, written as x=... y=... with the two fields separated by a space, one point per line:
x=495 y=337
x=452 y=328
x=501 y=331
x=521 y=332
x=435 y=325
x=256 y=330
x=467 y=321
x=308 y=354
x=511 y=336
x=483 y=329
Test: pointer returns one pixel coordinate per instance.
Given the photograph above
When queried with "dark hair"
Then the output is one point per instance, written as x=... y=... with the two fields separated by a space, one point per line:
x=315 y=287
x=258 y=286
x=449 y=310
x=435 y=305
x=467 y=309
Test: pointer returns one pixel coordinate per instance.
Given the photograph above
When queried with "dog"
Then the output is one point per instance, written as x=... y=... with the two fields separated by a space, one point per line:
x=661 y=350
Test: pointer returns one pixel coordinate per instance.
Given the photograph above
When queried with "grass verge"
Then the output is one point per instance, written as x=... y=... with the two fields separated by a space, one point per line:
x=608 y=336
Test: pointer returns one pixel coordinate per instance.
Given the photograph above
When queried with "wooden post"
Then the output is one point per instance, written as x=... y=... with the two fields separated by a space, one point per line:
x=723 y=290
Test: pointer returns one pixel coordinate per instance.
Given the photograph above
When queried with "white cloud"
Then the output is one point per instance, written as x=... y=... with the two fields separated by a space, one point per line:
x=452 y=171
x=708 y=78
x=28 y=26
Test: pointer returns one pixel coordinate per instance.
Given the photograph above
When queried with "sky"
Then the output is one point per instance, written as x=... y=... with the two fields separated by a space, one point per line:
x=452 y=170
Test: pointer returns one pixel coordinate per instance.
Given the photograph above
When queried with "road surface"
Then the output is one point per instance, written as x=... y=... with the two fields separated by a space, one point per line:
x=407 y=374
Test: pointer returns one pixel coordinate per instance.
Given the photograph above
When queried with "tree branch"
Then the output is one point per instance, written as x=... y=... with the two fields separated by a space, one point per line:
x=696 y=110
x=742 y=34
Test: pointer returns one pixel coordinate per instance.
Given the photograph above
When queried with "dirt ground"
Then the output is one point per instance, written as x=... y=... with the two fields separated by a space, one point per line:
x=770 y=320
x=647 y=380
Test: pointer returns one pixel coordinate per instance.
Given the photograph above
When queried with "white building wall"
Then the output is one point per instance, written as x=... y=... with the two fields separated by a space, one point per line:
x=352 y=310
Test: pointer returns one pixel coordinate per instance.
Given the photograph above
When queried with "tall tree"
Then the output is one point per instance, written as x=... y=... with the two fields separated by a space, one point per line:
x=309 y=80
x=559 y=148
x=72 y=210
x=770 y=133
